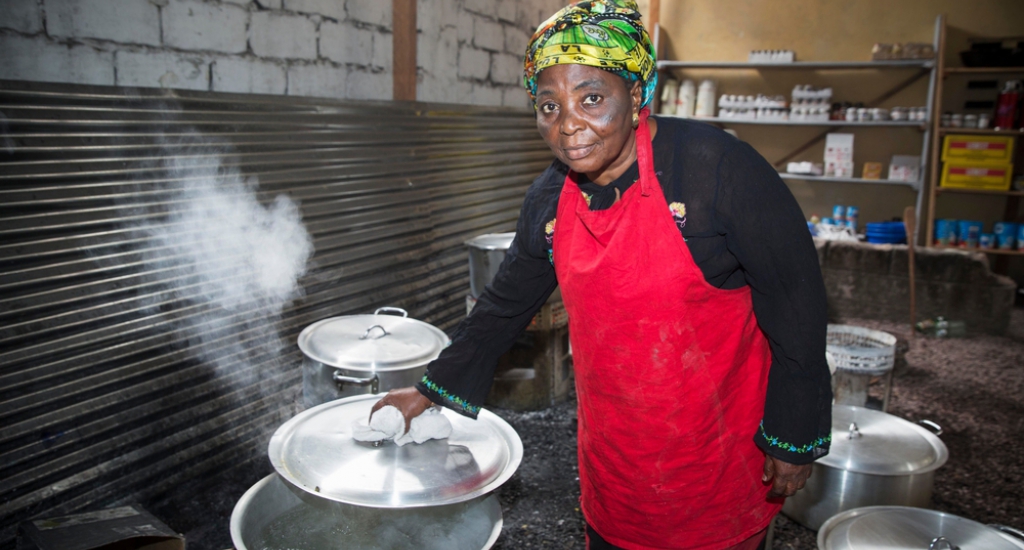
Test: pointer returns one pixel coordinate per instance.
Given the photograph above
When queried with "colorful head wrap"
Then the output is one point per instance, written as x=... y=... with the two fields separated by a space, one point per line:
x=606 y=34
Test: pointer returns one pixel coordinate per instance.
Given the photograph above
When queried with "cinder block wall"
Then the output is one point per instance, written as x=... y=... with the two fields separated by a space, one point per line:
x=469 y=51
x=866 y=281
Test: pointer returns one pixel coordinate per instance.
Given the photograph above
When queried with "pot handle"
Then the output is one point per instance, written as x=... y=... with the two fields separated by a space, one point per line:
x=1008 y=530
x=942 y=543
x=929 y=424
x=367 y=333
x=394 y=309
x=341 y=380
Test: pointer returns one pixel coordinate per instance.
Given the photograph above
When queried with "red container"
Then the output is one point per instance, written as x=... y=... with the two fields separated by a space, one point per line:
x=1007 y=107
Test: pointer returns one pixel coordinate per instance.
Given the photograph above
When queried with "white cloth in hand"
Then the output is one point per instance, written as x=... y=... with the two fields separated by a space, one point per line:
x=388 y=423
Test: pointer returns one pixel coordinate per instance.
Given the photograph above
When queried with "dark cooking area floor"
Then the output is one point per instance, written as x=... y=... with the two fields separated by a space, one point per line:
x=973 y=387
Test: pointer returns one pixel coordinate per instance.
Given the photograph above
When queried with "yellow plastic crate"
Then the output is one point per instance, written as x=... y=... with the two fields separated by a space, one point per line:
x=976 y=175
x=972 y=148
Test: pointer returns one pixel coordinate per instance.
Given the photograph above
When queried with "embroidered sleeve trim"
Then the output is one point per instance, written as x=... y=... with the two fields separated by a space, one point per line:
x=776 y=442
x=453 y=399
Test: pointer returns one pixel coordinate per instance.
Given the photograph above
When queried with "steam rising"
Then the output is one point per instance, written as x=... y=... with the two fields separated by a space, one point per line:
x=226 y=265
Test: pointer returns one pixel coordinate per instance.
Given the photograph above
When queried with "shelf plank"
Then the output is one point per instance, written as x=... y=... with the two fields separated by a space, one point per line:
x=982 y=70
x=800 y=65
x=979 y=192
x=788 y=176
x=985 y=250
x=981 y=131
x=883 y=124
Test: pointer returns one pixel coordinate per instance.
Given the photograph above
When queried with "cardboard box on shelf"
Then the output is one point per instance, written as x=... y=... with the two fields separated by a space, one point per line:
x=124 y=528
x=976 y=175
x=972 y=148
x=905 y=168
x=839 y=155
x=872 y=171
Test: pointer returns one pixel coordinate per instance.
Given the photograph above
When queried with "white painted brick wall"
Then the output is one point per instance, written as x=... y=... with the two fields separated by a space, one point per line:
x=35 y=58
x=516 y=97
x=468 y=50
x=335 y=9
x=321 y=80
x=21 y=15
x=194 y=25
x=473 y=63
x=435 y=55
x=506 y=69
x=374 y=12
x=367 y=85
x=488 y=35
x=282 y=36
x=383 y=45
x=507 y=11
x=162 y=70
x=248 y=76
x=484 y=7
x=124 y=21
x=464 y=26
x=483 y=94
x=516 y=41
x=345 y=43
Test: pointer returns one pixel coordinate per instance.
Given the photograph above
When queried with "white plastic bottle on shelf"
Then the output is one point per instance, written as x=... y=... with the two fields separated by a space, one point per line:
x=705 y=100
x=687 y=99
x=669 y=93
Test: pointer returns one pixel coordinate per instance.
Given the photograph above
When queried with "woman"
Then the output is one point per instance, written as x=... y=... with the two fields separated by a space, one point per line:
x=696 y=305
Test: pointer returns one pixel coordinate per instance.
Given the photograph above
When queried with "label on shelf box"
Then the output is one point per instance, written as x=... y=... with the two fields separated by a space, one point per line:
x=992 y=149
x=965 y=175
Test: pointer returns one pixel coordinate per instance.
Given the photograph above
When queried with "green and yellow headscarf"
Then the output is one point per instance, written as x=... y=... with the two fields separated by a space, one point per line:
x=606 y=34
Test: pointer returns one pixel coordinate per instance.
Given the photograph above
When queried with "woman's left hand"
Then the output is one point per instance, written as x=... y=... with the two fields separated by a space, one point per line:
x=786 y=478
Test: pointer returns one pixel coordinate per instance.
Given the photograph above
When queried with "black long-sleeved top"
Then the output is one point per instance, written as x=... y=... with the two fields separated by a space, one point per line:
x=743 y=228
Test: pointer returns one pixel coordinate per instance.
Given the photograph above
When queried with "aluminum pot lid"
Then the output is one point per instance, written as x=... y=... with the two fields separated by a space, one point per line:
x=372 y=342
x=492 y=241
x=901 y=527
x=316 y=452
x=873 y=442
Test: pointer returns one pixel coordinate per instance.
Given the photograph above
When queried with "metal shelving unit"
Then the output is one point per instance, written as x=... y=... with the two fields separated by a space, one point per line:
x=788 y=176
x=934 y=191
x=927 y=68
x=800 y=65
x=922 y=125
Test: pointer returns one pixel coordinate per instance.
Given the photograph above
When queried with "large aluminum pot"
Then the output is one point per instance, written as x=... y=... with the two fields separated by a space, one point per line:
x=364 y=354
x=904 y=528
x=876 y=459
x=486 y=253
x=275 y=515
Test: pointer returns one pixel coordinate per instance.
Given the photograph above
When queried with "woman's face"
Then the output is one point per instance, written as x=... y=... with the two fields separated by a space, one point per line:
x=585 y=115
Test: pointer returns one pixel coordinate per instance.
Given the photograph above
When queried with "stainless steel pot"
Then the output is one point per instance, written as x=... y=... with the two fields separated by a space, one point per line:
x=363 y=354
x=905 y=528
x=273 y=514
x=486 y=253
x=875 y=459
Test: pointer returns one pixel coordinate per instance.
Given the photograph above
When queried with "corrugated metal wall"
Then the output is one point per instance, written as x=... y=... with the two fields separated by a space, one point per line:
x=102 y=398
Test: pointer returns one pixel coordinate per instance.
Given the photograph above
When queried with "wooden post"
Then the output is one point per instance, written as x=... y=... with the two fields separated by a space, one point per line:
x=403 y=48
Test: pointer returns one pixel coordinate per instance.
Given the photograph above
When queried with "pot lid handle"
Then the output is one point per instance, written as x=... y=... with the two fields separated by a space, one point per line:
x=854 y=431
x=1008 y=530
x=394 y=309
x=929 y=424
x=942 y=543
x=367 y=333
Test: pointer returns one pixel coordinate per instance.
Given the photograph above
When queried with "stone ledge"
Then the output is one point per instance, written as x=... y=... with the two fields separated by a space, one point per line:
x=872 y=282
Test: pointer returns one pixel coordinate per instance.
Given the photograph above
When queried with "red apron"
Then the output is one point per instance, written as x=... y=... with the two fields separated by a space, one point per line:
x=671 y=374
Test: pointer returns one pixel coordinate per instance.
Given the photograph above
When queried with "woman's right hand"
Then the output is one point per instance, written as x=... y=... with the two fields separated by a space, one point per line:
x=409 y=401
